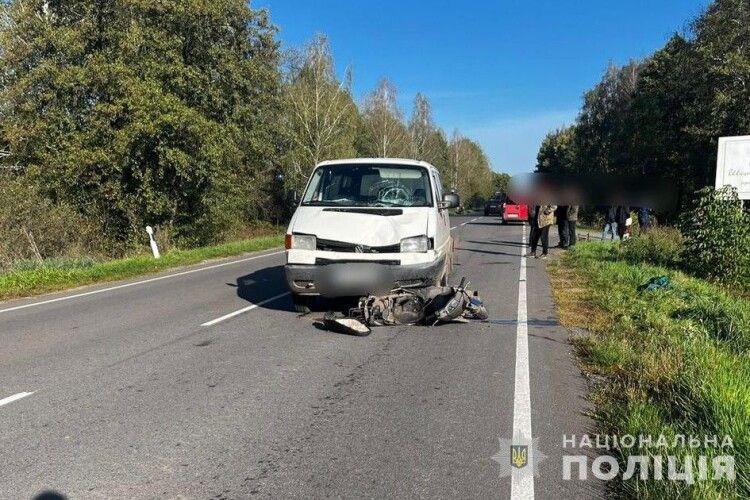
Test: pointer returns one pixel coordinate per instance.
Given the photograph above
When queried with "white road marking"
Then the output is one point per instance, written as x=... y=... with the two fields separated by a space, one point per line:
x=244 y=309
x=467 y=222
x=14 y=397
x=135 y=283
x=522 y=485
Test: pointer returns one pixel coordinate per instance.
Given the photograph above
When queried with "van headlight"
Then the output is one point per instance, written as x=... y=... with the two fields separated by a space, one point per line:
x=303 y=242
x=415 y=244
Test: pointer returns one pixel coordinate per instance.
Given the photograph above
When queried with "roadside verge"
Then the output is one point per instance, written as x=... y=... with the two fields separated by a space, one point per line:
x=46 y=279
x=672 y=361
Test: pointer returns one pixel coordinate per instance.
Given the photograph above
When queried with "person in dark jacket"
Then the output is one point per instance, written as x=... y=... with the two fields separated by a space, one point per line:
x=572 y=220
x=561 y=214
x=610 y=224
x=644 y=219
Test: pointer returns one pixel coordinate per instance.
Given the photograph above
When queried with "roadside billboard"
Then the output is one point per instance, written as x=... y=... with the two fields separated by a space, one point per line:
x=733 y=164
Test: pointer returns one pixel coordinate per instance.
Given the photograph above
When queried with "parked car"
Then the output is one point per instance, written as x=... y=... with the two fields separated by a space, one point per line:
x=513 y=212
x=368 y=224
x=493 y=206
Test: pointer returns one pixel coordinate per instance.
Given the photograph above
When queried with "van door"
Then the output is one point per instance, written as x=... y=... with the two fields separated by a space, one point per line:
x=443 y=231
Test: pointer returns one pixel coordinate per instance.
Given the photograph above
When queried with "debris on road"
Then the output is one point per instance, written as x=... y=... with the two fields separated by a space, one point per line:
x=656 y=283
x=429 y=305
x=340 y=324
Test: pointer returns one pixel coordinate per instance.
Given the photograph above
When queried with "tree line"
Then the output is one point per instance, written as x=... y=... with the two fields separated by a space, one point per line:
x=662 y=116
x=185 y=115
x=324 y=122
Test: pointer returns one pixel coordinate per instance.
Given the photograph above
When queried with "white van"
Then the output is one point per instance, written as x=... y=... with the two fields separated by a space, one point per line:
x=369 y=223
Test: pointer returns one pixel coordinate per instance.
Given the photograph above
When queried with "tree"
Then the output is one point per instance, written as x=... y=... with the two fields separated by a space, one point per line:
x=322 y=118
x=144 y=112
x=664 y=116
x=660 y=115
x=500 y=182
x=383 y=131
x=427 y=140
x=470 y=172
x=558 y=153
x=602 y=142
x=722 y=55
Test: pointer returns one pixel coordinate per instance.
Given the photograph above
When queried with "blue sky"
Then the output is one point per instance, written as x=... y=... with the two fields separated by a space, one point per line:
x=503 y=72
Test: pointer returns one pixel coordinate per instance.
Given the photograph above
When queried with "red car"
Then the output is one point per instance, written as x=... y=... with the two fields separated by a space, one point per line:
x=513 y=212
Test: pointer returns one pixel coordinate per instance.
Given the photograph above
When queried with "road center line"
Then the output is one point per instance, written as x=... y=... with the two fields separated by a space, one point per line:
x=470 y=221
x=14 y=397
x=135 y=283
x=244 y=309
x=522 y=484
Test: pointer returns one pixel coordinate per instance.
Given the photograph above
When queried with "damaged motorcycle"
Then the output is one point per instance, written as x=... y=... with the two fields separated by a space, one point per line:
x=430 y=306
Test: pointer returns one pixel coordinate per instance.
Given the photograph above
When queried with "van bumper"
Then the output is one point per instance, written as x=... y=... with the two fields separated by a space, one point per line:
x=339 y=279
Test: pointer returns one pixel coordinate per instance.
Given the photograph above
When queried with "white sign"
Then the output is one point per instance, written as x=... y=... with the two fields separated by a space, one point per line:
x=733 y=164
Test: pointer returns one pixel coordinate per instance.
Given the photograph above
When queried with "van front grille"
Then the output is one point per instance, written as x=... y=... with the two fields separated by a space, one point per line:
x=324 y=262
x=343 y=246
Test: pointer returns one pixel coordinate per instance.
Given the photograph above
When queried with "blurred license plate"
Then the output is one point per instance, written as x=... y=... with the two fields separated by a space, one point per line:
x=354 y=279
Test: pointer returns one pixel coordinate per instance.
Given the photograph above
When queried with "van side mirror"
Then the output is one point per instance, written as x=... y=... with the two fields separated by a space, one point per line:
x=450 y=200
x=292 y=199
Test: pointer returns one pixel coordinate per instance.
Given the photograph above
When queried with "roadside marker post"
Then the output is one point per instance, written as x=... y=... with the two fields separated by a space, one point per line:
x=154 y=246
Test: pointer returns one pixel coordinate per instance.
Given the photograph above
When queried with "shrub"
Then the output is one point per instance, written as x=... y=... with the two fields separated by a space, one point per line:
x=717 y=237
x=32 y=227
x=661 y=245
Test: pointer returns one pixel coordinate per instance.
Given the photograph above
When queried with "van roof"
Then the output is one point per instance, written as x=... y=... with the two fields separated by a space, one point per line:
x=378 y=161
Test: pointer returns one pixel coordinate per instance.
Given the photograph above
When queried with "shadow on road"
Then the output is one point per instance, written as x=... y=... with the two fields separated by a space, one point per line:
x=483 y=223
x=499 y=242
x=263 y=284
x=50 y=495
x=488 y=252
x=531 y=322
x=268 y=282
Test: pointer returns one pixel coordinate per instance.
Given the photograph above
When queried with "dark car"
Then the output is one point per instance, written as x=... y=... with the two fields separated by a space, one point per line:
x=493 y=206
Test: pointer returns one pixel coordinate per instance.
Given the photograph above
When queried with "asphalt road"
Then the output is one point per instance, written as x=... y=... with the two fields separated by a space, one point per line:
x=195 y=385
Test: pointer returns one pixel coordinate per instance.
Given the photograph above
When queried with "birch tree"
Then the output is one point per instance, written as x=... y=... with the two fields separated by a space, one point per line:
x=420 y=126
x=469 y=170
x=427 y=140
x=384 y=132
x=322 y=117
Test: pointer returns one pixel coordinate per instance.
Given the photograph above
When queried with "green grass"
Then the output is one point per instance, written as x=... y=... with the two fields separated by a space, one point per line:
x=674 y=361
x=29 y=278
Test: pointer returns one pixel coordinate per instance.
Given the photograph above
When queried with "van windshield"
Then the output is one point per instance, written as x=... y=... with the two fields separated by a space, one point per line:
x=361 y=185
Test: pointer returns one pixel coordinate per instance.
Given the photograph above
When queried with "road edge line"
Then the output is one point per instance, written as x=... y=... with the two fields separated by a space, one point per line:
x=522 y=482
x=135 y=283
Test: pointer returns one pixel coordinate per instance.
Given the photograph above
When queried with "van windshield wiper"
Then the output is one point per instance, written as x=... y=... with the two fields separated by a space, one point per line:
x=331 y=203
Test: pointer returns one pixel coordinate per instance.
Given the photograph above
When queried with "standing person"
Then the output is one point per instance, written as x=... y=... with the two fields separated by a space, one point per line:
x=541 y=219
x=622 y=214
x=572 y=220
x=561 y=213
x=610 y=223
x=534 y=229
x=644 y=219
